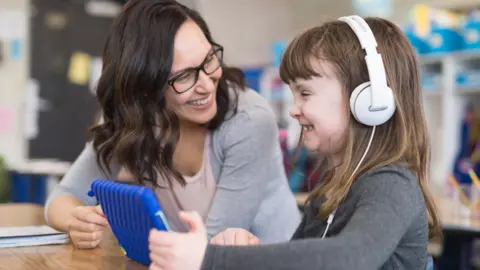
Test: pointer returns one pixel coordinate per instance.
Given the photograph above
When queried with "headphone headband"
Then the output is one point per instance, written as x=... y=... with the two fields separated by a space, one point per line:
x=375 y=67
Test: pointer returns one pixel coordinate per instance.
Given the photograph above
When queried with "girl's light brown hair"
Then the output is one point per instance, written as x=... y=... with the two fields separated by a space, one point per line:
x=402 y=141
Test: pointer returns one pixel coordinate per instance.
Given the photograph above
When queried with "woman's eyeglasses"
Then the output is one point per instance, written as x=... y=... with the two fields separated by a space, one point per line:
x=189 y=77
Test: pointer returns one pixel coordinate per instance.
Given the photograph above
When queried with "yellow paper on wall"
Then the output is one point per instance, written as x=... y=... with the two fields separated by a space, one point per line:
x=79 y=70
x=421 y=17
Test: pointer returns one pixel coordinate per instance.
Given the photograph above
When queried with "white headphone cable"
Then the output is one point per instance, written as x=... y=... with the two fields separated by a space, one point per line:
x=332 y=215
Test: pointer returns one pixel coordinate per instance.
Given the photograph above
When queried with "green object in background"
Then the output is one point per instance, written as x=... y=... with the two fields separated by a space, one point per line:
x=4 y=182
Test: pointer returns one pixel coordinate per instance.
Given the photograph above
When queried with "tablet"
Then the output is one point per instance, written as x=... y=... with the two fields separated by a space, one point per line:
x=132 y=211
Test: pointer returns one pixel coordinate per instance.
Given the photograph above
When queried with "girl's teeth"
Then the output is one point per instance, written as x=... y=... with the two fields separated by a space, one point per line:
x=307 y=128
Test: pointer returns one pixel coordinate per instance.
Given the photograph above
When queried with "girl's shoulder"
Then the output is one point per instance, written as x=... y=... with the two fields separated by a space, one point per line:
x=389 y=182
x=391 y=175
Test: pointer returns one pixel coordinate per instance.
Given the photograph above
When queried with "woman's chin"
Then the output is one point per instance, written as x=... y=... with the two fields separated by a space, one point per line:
x=202 y=118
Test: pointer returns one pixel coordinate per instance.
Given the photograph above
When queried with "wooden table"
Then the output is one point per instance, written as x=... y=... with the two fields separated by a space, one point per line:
x=58 y=257
x=109 y=256
x=453 y=220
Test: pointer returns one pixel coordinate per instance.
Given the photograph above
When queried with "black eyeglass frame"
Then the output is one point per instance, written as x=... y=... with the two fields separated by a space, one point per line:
x=217 y=51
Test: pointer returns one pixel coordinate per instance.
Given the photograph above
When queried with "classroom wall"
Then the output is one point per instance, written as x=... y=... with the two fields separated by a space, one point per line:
x=246 y=28
x=189 y=3
x=311 y=12
x=13 y=76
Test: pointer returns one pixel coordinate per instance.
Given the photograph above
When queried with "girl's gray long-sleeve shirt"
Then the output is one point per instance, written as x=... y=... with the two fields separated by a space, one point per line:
x=382 y=224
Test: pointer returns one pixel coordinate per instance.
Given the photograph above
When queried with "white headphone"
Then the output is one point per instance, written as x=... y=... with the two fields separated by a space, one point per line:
x=371 y=103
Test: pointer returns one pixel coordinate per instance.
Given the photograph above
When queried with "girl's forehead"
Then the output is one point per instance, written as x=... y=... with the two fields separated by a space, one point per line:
x=323 y=67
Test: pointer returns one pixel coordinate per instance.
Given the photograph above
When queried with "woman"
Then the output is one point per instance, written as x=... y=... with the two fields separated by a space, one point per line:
x=181 y=122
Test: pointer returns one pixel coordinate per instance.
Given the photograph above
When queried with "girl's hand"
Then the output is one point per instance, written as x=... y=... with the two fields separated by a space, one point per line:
x=179 y=251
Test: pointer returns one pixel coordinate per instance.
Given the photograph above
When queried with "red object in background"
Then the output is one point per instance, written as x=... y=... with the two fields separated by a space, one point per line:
x=312 y=175
x=283 y=134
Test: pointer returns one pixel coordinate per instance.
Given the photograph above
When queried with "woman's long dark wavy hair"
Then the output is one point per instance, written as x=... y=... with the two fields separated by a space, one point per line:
x=137 y=60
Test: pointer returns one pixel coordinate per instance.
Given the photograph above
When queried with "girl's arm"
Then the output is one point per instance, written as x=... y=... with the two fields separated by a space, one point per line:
x=389 y=204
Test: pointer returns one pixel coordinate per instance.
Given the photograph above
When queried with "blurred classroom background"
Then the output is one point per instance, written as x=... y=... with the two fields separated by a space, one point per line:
x=50 y=60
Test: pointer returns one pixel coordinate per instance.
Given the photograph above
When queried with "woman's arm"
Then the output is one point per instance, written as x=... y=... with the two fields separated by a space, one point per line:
x=298 y=234
x=250 y=142
x=59 y=211
x=388 y=206
x=72 y=190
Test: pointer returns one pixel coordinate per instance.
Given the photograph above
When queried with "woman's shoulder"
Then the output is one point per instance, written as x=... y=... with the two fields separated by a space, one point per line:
x=251 y=128
x=251 y=102
x=252 y=112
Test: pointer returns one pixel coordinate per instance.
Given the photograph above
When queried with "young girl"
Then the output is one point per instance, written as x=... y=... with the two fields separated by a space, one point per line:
x=372 y=209
x=180 y=121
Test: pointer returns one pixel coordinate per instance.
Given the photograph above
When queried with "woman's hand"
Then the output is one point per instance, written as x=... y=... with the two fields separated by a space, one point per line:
x=179 y=251
x=235 y=237
x=86 y=225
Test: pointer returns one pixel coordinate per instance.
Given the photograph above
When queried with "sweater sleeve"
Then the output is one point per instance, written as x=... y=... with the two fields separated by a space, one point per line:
x=298 y=234
x=388 y=205
x=80 y=176
x=249 y=142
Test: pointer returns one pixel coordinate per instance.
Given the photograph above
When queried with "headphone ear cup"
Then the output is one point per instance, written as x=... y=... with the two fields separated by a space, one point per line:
x=353 y=99
x=360 y=102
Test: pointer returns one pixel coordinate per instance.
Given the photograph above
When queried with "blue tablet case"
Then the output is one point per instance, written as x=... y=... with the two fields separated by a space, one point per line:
x=132 y=211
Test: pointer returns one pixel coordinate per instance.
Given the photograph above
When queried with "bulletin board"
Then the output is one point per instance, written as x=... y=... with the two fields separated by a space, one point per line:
x=66 y=45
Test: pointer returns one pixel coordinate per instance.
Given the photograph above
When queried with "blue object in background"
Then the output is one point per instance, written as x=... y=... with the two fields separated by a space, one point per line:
x=278 y=48
x=444 y=40
x=16 y=49
x=297 y=175
x=440 y=39
x=468 y=78
x=462 y=159
x=29 y=188
x=430 y=264
x=21 y=188
x=377 y=8
x=419 y=44
x=252 y=76
x=471 y=36
x=39 y=191
x=471 y=32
